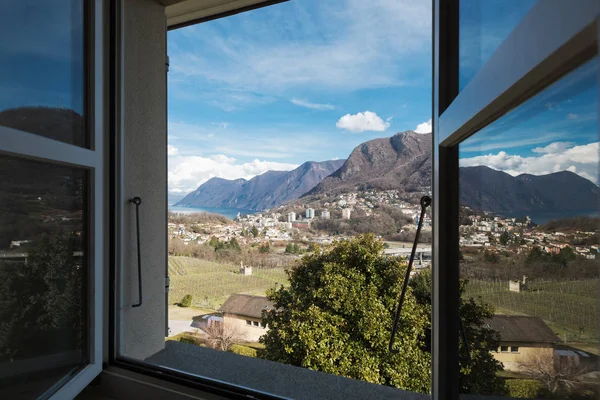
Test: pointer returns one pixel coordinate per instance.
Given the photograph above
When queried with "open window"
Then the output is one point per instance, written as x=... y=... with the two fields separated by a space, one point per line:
x=51 y=197
x=515 y=193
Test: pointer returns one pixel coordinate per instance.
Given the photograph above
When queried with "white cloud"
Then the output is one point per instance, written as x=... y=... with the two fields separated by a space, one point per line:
x=572 y=116
x=424 y=127
x=582 y=160
x=187 y=173
x=360 y=122
x=552 y=148
x=313 y=106
x=211 y=135
x=171 y=150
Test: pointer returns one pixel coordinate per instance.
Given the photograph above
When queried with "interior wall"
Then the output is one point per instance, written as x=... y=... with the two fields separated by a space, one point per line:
x=144 y=160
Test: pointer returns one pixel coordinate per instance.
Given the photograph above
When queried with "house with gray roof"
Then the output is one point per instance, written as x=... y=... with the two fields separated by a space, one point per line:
x=244 y=312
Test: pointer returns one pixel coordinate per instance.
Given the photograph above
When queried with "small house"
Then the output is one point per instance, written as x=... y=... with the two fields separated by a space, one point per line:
x=517 y=285
x=521 y=339
x=245 y=270
x=244 y=312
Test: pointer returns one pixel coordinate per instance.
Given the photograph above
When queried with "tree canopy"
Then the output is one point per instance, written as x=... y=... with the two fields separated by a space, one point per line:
x=336 y=317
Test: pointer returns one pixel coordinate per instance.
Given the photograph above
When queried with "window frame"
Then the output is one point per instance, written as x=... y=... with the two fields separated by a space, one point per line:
x=26 y=145
x=551 y=40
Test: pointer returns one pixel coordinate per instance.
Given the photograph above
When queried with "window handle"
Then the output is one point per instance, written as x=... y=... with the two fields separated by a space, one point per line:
x=137 y=201
x=425 y=202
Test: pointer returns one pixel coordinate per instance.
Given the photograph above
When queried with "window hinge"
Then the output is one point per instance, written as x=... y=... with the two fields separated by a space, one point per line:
x=167 y=283
x=167 y=61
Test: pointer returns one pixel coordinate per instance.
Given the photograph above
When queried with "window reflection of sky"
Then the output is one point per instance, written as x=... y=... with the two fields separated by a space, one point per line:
x=484 y=24
x=41 y=54
x=555 y=130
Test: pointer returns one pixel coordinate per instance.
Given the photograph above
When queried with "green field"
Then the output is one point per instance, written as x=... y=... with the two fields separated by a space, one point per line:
x=210 y=283
x=570 y=308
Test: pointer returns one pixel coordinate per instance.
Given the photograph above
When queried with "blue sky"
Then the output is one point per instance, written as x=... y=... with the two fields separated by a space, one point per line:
x=298 y=81
x=555 y=130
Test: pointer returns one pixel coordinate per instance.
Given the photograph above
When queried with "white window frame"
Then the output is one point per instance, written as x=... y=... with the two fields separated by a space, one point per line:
x=17 y=143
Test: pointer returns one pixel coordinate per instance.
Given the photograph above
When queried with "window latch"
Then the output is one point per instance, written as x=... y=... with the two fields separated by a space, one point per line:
x=425 y=202
x=137 y=201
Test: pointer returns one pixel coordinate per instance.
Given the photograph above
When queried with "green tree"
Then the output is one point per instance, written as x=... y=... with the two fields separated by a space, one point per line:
x=254 y=231
x=504 y=238
x=186 y=301
x=336 y=317
x=478 y=372
x=41 y=309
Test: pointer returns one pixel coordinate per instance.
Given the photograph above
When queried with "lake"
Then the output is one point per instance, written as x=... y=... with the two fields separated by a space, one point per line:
x=230 y=213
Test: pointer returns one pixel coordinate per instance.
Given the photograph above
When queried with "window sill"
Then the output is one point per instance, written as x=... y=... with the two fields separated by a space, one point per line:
x=270 y=377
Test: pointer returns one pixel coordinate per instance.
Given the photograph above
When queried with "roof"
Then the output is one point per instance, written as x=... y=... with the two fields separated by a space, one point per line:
x=514 y=328
x=247 y=305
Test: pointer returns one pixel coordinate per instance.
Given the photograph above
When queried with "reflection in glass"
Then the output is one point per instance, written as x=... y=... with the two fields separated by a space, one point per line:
x=43 y=269
x=483 y=26
x=528 y=245
x=42 y=68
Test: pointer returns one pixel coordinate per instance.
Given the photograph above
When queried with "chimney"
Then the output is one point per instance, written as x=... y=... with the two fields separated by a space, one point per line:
x=524 y=279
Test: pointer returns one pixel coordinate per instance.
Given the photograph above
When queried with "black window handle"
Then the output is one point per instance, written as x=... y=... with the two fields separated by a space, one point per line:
x=425 y=202
x=137 y=201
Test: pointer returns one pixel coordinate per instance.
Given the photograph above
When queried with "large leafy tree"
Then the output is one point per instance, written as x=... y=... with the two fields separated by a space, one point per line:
x=478 y=367
x=336 y=316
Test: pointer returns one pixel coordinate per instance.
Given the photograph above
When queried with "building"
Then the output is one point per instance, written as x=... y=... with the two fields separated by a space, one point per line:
x=309 y=213
x=291 y=217
x=346 y=213
x=243 y=312
x=517 y=285
x=245 y=270
x=521 y=338
x=325 y=214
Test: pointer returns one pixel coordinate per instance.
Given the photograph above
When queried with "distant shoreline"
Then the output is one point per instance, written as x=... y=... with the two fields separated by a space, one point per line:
x=230 y=213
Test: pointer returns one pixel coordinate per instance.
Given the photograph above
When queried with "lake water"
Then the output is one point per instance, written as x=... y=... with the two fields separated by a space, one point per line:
x=226 y=212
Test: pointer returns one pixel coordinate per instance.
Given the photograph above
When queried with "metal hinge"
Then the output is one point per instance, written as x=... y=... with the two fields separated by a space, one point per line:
x=167 y=63
x=167 y=283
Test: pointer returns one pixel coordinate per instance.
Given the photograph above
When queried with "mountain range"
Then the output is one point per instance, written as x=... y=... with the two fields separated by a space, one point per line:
x=486 y=189
x=264 y=191
x=402 y=162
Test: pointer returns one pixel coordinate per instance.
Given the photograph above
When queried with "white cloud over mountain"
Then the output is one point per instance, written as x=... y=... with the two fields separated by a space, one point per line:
x=186 y=173
x=172 y=150
x=557 y=156
x=424 y=127
x=361 y=122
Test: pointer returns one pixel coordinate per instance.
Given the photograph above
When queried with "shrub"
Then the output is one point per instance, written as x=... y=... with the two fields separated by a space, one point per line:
x=242 y=350
x=186 y=301
x=523 y=388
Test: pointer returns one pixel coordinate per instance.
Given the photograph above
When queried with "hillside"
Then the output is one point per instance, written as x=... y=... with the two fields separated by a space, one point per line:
x=486 y=189
x=401 y=162
x=263 y=191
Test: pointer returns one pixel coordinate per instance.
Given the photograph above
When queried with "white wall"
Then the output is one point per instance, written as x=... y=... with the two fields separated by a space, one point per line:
x=145 y=166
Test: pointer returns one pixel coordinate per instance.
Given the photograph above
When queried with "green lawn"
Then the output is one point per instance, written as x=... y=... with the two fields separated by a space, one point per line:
x=570 y=308
x=210 y=284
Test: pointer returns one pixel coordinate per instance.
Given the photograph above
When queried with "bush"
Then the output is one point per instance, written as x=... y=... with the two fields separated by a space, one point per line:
x=242 y=350
x=186 y=301
x=523 y=388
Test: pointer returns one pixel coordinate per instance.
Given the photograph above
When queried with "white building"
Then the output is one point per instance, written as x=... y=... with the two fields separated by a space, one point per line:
x=346 y=213
x=291 y=217
x=325 y=214
x=309 y=213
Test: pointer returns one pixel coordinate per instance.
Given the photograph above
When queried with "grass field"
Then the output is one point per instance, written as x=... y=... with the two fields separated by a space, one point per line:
x=210 y=284
x=570 y=308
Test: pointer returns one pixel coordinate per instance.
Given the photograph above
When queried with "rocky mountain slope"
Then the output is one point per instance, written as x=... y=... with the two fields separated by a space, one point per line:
x=401 y=162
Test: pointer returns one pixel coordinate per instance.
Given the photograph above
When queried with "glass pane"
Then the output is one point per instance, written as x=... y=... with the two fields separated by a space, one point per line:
x=529 y=267
x=483 y=26
x=42 y=68
x=43 y=274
